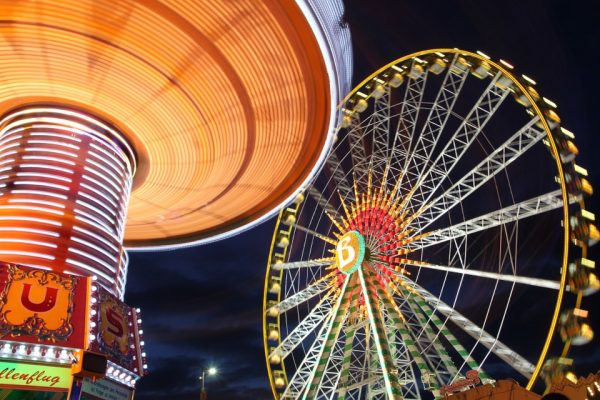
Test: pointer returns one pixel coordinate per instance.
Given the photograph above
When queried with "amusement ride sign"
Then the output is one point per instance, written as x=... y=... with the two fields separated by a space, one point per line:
x=34 y=376
x=116 y=334
x=39 y=306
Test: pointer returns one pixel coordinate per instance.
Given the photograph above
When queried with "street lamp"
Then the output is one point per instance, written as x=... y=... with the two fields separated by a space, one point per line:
x=211 y=371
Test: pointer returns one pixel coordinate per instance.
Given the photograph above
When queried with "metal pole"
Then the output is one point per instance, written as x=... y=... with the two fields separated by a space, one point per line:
x=202 y=392
x=75 y=389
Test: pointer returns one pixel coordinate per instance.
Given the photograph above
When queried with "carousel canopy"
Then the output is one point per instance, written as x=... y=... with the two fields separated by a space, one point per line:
x=227 y=104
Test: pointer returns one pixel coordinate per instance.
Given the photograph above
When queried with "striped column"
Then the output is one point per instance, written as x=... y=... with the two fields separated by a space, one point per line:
x=350 y=333
x=408 y=341
x=423 y=319
x=65 y=179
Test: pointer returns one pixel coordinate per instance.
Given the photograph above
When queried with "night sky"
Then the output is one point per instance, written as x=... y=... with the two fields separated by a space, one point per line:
x=202 y=306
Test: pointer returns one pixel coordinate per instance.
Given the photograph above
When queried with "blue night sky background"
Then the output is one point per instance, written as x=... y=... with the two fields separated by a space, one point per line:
x=202 y=306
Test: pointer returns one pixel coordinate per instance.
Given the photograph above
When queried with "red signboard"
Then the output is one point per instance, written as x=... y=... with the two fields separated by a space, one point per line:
x=43 y=307
x=116 y=333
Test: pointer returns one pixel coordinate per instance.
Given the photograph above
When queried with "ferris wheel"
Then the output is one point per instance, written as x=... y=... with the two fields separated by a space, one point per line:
x=446 y=233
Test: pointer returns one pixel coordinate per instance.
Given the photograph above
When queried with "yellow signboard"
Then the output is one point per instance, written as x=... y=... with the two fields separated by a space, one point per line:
x=31 y=376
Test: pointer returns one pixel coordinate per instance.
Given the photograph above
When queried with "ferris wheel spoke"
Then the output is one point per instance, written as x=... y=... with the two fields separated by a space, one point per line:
x=516 y=212
x=301 y=296
x=463 y=137
x=360 y=165
x=322 y=201
x=316 y=234
x=409 y=115
x=524 y=280
x=441 y=110
x=496 y=162
x=339 y=177
x=304 y=328
x=511 y=357
x=339 y=314
x=302 y=375
x=380 y=131
x=320 y=262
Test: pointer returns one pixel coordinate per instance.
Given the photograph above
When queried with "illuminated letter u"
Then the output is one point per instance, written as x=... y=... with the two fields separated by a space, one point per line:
x=45 y=305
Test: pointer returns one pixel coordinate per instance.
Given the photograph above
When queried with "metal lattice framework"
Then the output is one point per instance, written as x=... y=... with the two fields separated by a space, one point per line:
x=412 y=255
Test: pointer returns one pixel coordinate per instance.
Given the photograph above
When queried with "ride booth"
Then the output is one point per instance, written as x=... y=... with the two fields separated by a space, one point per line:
x=64 y=337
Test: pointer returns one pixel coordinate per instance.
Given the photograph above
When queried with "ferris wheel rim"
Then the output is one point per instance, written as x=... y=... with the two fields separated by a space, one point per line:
x=563 y=194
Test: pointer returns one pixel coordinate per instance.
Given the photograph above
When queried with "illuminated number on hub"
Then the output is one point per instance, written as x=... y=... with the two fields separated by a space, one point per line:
x=350 y=252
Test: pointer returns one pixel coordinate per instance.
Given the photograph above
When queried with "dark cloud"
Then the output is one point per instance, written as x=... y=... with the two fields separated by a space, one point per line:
x=202 y=306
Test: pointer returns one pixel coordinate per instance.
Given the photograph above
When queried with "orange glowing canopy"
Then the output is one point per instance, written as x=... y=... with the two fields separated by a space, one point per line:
x=227 y=103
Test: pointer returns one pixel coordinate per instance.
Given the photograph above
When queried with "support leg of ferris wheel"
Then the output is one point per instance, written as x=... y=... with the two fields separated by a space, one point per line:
x=345 y=375
x=327 y=390
x=445 y=332
x=435 y=375
x=402 y=357
x=519 y=363
x=376 y=389
x=360 y=363
x=333 y=330
x=428 y=375
x=331 y=374
x=373 y=309
x=351 y=332
x=445 y=368
x=408 y=339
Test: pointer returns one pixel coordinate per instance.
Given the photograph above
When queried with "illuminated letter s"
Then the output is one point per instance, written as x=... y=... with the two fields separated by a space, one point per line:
x=47 y=304
x=116 y=322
